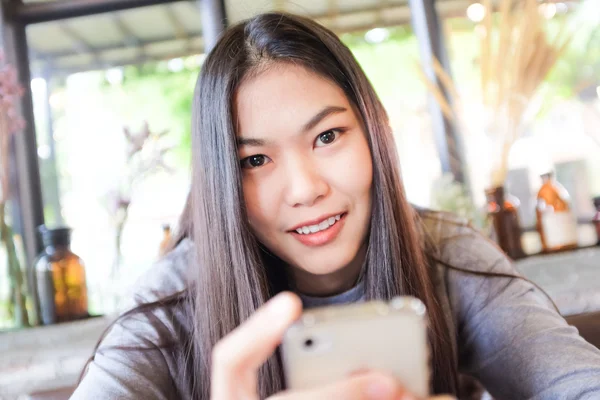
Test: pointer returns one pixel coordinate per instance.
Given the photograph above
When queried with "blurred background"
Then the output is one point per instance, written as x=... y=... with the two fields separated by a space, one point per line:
x=106 y=94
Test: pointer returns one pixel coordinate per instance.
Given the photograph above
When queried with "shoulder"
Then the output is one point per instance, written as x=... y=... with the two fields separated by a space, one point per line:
x=140 y=354
x=453 y=240
x=154 y=312
x=166 y=278
x=440 y=225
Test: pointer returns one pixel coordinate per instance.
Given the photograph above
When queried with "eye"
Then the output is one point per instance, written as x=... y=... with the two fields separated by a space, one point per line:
x=327 y=137
x=255 y=161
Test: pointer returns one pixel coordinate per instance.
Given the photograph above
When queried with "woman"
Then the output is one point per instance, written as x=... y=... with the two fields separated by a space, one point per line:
x=296 y=188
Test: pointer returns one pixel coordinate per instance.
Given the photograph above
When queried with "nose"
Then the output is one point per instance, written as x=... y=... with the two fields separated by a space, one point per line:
x=305 y=184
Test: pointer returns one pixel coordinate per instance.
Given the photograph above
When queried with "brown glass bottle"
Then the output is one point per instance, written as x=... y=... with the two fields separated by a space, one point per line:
x=556 y=223
x=502 y=208
x=60 y=278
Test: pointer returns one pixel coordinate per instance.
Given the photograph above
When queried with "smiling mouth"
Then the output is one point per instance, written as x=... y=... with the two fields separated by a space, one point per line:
x=322 y=233
x=321 y=226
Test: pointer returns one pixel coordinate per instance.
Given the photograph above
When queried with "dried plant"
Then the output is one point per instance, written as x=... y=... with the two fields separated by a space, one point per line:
x=10 y=121
x=145 y=154
x=515 y=59
x=10 y=124
x=592 y=114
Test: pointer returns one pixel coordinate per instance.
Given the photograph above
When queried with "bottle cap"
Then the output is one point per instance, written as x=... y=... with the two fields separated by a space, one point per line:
x=60 y=236
x=596 y=201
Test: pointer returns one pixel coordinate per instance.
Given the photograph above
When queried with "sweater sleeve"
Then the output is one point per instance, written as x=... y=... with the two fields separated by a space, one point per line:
x=509 y=336
x=128 y=365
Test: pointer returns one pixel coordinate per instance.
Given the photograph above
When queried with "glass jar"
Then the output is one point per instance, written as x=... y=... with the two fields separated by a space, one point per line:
x=503 y=209
x=60 y=279
x=556 y=222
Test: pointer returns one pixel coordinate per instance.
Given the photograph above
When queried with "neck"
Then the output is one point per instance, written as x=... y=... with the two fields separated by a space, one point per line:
x=331 y=284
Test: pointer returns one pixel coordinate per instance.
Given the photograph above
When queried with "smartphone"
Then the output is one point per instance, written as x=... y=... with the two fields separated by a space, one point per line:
x=328 y=344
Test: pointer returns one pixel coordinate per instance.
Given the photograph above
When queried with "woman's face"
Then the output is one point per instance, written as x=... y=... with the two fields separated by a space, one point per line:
x=307 y=175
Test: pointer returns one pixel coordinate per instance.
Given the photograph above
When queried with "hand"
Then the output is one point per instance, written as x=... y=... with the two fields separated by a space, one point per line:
x=238 y=356
x=365 y=386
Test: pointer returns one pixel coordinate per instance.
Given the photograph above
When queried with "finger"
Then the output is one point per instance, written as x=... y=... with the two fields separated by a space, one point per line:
x=255 y=340
x=248 y=346
x=369 y=386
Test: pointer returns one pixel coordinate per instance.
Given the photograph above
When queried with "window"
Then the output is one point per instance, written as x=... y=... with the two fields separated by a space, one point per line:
x=390 y=58
x=563 y=135
x=82 y=102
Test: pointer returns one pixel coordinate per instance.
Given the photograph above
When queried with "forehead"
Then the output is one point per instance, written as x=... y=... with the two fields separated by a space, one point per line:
x=286 y=94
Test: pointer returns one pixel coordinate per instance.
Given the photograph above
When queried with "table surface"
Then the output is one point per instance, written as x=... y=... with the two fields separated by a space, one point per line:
x=572 y=279
x=46 y=358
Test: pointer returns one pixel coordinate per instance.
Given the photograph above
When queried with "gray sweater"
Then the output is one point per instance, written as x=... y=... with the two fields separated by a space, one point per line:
x=508 y=335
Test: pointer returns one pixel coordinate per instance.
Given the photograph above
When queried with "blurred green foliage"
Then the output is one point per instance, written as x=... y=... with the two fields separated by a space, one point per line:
x=163 y=97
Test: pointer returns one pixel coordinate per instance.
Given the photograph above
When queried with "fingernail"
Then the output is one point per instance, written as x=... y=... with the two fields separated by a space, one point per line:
x=280 y=305
x=406 y=397
x=381 y=390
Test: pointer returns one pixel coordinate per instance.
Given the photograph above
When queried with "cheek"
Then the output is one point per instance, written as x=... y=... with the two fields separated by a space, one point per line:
x=354 y=170
x=259 y=200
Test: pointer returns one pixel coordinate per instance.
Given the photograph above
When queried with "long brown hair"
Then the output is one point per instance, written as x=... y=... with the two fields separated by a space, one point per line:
x=233 y=274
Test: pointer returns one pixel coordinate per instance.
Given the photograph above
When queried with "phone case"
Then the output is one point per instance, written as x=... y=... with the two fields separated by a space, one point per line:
x=329 y=343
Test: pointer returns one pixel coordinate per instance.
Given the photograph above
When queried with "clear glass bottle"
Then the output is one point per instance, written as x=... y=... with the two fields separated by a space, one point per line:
x=60 y=279
x=556 y=222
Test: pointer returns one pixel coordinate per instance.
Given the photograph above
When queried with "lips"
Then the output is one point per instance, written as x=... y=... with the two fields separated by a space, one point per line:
x=308 y=229
x=318 y=222
x=324 y=232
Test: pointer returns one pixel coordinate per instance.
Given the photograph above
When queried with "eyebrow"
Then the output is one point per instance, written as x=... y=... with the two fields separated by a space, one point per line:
x=324 y=113
x=314 y=121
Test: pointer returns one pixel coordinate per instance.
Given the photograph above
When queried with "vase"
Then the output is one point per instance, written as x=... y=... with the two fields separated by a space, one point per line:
x=555 y=221
x=502 y=209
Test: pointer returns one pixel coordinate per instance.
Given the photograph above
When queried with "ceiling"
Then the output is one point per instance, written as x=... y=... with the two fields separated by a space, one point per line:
x=174 y=30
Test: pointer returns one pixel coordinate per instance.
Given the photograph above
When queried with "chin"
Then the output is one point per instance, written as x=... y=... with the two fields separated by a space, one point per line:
x=321 y=270
x=322 y=267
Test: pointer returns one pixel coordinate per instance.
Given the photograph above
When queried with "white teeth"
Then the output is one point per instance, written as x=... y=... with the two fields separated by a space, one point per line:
x=319 y=227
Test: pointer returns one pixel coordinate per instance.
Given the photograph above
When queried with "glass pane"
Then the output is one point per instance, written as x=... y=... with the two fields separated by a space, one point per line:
x=562 y=134
x=94 y=178
x=389 y=57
